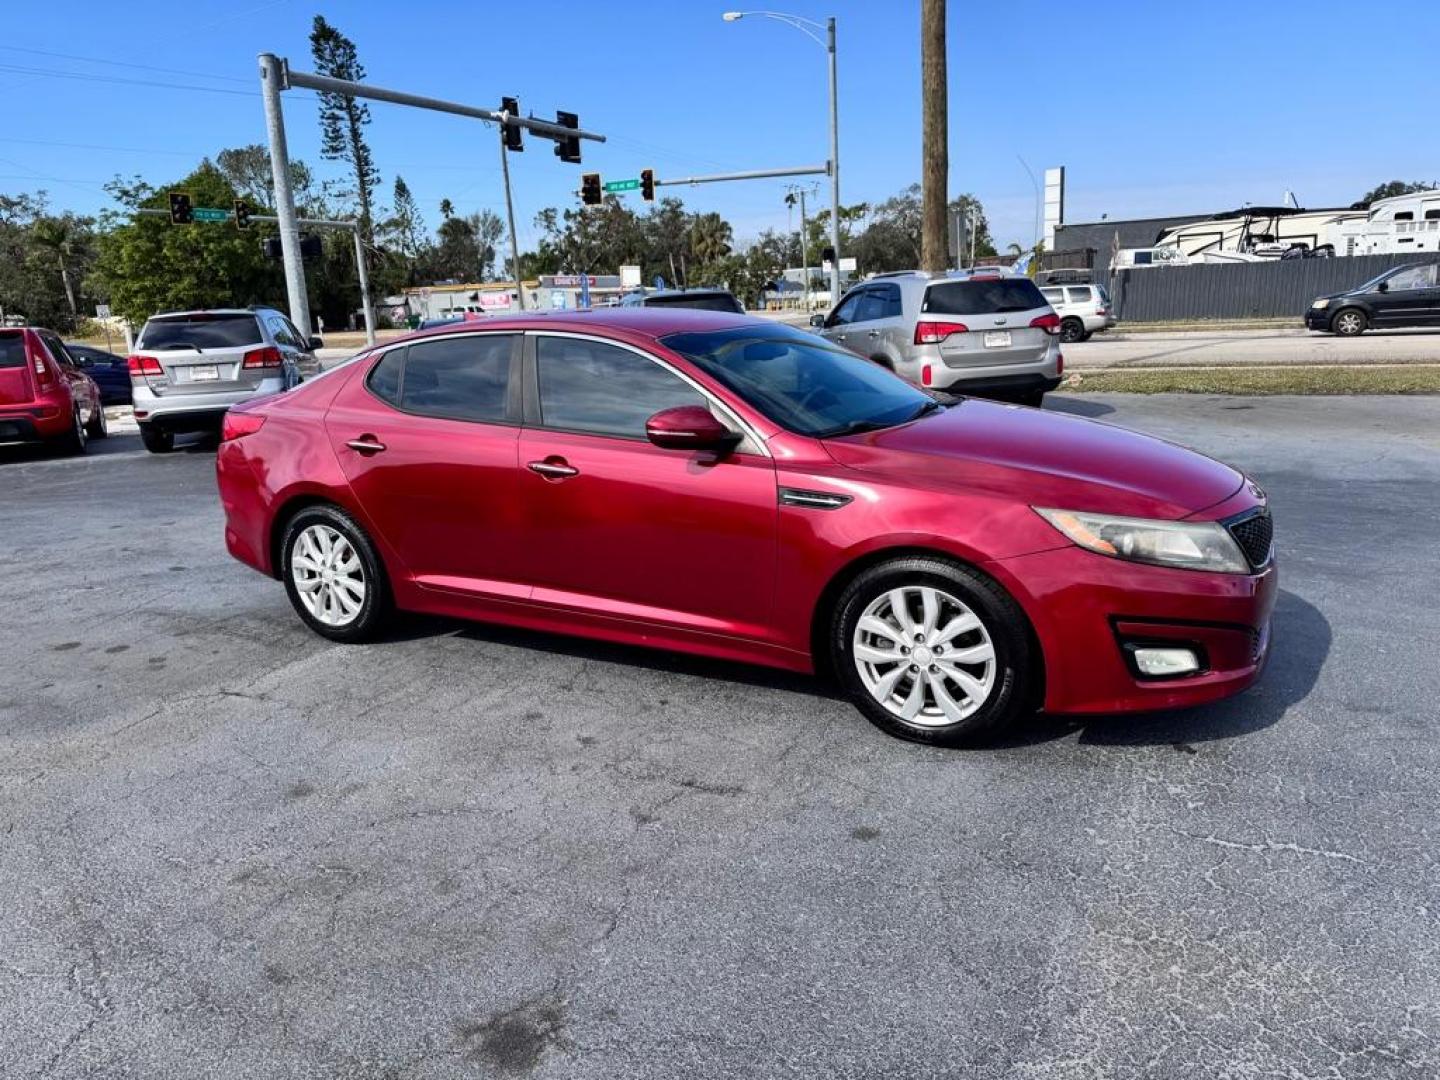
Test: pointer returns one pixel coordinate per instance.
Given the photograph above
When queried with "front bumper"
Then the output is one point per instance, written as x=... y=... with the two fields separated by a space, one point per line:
x=1317 y=318
x=1086 y=608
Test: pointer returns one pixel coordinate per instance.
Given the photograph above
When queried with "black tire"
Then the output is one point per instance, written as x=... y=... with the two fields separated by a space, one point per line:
x=1349 y=322
x=98 y=428
x=377 y=606
x=156 y=440
x=1016 y=673
x=1072 y=329
x=74 y=440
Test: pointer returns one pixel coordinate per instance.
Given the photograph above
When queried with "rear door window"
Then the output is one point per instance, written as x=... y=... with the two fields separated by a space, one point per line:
x=1079 y=294
x=459 y=378
x=202 y=331
x=986 y=297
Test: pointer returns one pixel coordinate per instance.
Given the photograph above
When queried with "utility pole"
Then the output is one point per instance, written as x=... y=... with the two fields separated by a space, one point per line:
x=834 y=166
x=272 y=81
x=799 y=192
x=935 y=154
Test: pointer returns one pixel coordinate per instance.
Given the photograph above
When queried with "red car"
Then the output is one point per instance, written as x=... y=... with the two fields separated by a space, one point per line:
x=737 y=488
x=44 y=396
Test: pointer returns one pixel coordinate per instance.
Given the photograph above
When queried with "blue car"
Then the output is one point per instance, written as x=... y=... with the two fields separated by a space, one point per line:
x=110 y=372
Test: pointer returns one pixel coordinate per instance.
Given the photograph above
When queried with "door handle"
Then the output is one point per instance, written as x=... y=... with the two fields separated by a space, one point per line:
x=366 y=444
x=553 y=469
x=873 y=333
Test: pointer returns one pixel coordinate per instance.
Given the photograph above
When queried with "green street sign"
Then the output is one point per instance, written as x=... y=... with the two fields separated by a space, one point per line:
x=201 y=213
x=610 y=186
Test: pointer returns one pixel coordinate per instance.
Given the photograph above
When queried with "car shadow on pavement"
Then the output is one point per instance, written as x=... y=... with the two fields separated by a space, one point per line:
x=1077 y=406
x=1300 y=644
x=419 y=626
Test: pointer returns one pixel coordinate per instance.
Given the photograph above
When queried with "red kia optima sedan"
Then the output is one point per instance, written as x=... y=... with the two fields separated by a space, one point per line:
x=728 y=486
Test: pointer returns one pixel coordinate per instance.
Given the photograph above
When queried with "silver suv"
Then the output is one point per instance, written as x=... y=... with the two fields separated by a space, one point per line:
x=966 y=331
x=189 y=367
x=1083 y=309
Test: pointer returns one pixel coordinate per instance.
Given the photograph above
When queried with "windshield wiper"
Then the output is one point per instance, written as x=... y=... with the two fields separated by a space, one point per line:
x=925 y=410
x=854 y=427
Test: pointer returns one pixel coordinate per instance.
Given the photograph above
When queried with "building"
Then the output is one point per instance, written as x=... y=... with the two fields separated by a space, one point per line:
x=551 y=292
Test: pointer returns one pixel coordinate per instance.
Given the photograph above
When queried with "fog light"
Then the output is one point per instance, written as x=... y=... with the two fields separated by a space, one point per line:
x=1161 y=663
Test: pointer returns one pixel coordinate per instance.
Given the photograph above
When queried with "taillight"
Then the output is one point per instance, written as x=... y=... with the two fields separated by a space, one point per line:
x=262 y=358
x=237 y=425
x=1050 y=323
x=1059 y=363
x=930 y=333
x=1099 y=311
x=144 y=366
x=43 y=378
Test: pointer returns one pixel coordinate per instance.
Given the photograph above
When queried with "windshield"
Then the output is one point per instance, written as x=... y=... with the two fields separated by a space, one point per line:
x=982 y=297
x=699 y=301
x=200 y=331
x=800 y=382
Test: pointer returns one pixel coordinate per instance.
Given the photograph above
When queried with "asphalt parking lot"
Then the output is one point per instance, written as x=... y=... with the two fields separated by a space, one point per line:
x=231 y=849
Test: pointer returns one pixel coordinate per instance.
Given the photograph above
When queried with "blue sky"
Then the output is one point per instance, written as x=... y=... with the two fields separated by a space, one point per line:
x=1153 y=107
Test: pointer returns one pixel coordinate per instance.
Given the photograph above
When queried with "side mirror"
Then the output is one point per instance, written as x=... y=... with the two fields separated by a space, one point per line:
x=315 y=343
x=817 y=321
x=689 y=427
x=1384 y=286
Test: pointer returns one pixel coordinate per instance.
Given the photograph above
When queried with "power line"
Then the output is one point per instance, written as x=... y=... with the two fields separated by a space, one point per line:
x=122 y=63
x=88 y=77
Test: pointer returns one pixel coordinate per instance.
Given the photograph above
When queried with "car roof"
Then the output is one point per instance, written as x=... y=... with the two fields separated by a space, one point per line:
x=209 y=311
x=654 y=322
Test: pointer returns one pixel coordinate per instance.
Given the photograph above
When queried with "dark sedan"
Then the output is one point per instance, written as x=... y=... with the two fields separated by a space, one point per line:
x=110 y=372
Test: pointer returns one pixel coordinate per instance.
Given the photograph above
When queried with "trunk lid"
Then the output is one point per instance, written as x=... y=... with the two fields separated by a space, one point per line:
x=204 y=352
x=17 y=374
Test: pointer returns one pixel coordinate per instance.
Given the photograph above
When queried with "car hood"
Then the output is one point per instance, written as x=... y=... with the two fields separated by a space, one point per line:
x=1044 y=459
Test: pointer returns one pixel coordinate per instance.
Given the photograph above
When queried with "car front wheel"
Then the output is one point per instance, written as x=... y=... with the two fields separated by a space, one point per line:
x=1348 y=322
x=333 y=575
x=934 y=652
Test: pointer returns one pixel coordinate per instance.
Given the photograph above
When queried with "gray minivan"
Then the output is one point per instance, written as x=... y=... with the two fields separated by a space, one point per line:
x=967 y=331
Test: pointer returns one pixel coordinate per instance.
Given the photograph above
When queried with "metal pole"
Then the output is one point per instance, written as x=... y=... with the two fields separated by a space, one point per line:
x=834 y=166
x=804 y=253
x=752 y=174
x=272 y=78
x=364 y=287
x=510 y=213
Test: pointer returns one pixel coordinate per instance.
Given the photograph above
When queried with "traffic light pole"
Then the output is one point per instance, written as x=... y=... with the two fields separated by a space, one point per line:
x=272 y=81
x=276 y=76
x=753 y=174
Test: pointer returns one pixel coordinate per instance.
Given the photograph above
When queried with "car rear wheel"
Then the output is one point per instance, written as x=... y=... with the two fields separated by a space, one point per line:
x=1348 y=322
x=1072 y=330
x=74 y=441
x=155 y=440
x=333 y=575
x=99 y=427
x=932 y=651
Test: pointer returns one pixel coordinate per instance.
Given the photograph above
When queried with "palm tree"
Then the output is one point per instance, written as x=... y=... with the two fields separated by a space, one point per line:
x=710 y=238
x=1016 y=250
x=57 y=236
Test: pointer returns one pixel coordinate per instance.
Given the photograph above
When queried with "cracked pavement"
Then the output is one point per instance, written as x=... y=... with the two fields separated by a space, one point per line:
x=229 y=848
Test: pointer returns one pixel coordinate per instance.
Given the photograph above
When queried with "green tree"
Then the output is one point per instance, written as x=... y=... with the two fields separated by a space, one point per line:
x=405 y=228
x=64 y=241
x=145 y=264
x=710 y=238
x=343 y=119
x=45 y=261
x=248 y=170
x=1393 y=188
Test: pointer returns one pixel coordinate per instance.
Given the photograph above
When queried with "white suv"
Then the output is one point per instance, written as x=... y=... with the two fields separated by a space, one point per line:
x=1083 y=309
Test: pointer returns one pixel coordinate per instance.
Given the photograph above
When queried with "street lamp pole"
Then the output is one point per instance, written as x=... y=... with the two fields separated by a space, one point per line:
x=810 y=28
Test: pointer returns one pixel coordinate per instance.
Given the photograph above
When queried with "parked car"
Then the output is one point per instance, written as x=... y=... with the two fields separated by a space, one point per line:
x=189 y=367
x=110 y=372
x=980 y=331
x=741 y=489
x=44 y=396
x=1084 y=310
x=1405 y=296
x=699 y=299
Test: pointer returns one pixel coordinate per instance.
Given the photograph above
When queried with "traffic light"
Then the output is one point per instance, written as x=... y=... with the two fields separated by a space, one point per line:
x=513 y=133
x=243 y=210
x=827 y=255
x=271 y=249
x=590 y=193
x=647 y=184
x=182 y=211
x=309 y=246
x=568 y=148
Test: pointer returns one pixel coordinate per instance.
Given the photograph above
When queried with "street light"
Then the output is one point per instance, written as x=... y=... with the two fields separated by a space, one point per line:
x=811 y=29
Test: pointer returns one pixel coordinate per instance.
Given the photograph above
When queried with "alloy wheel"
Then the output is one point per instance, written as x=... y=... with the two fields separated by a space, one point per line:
x=328 y=575
x=1348 y=322
x=924 y=656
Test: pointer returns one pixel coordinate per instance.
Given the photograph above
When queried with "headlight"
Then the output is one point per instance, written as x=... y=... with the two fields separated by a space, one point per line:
x=1320 y=304
x=1191 y=545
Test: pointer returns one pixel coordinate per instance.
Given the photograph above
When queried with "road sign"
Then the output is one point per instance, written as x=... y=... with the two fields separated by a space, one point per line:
x=205 y=213
x=621 y=185
x=102 y=311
